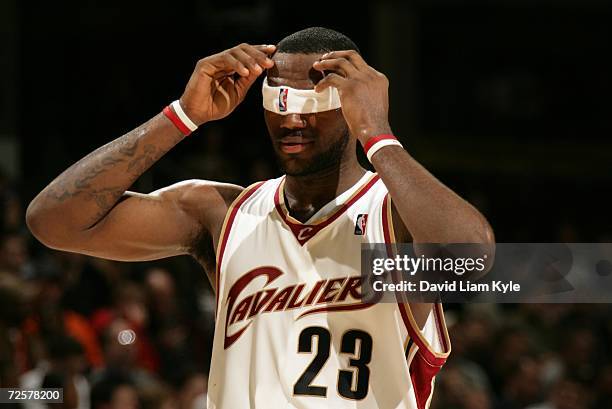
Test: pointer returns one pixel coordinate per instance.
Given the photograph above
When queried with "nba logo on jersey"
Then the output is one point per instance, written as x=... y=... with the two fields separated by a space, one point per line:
x=282 y=99
x=360 y=224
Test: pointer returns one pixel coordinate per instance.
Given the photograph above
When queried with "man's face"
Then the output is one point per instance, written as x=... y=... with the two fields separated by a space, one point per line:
x=304 y=143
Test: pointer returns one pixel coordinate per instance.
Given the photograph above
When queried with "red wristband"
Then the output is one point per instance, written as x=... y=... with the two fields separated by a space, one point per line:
x=176 y=121
x=370 y=142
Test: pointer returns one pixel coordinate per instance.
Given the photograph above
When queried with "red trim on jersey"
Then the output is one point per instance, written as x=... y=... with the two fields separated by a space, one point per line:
x=225 y=231
x=415 y=333
x=439 y=322
x=304 y=232
x=385 y=223
x=422 y=374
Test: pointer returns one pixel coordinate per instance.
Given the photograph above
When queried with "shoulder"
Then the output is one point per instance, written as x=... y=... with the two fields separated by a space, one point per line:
x=198 y=192
x=205 y=200
x=402 y=234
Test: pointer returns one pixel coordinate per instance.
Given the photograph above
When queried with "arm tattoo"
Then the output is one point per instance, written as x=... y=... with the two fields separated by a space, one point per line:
x=104 y=175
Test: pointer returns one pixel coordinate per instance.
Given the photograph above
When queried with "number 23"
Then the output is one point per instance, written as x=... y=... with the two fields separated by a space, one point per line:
x=352 y=384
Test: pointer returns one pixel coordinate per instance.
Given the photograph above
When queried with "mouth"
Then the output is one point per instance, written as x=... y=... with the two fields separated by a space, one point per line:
x=294 y=143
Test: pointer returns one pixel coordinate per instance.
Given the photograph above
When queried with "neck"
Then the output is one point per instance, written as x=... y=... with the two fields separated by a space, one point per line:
x=305 y=195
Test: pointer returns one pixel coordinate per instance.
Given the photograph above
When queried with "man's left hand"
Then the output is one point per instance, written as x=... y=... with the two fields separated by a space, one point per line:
x=363 y=92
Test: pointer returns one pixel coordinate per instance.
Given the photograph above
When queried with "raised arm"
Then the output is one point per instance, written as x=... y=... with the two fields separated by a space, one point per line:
x=87 y=209
x=430 y=211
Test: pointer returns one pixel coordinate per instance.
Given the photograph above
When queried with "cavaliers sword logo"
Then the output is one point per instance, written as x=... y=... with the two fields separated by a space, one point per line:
x=326 y=295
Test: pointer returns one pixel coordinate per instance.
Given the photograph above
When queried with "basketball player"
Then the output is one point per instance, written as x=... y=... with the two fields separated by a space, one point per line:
x=291 y=331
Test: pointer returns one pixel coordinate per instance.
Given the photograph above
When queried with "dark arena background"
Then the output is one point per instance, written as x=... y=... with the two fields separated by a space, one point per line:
x=507 y=102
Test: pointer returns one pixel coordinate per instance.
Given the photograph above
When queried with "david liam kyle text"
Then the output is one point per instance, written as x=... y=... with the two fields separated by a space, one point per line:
x=452 y=286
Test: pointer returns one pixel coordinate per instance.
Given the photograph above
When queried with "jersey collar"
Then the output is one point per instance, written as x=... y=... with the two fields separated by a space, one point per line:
x=305 y=231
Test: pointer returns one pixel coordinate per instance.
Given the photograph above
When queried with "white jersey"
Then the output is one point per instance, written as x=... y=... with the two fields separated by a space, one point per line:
x=291 y=330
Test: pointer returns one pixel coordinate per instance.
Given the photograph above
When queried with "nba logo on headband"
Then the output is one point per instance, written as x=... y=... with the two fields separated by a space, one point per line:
x=282 y=99
x=303 y=101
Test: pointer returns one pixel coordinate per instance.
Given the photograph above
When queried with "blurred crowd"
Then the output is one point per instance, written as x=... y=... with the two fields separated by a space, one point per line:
x=112 y=335
x=533 y=356
x=138 y=335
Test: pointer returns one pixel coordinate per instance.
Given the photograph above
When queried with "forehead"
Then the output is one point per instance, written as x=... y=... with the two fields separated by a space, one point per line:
x=294 y=70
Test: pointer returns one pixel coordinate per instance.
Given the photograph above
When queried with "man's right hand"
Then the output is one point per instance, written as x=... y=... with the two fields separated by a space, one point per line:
x=220 y=82
x=87 y=209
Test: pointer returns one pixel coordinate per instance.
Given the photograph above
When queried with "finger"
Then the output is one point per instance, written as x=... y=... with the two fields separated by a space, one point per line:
x=233 y=64
x=244 y=83
x=330 y=80
x=268 y=49
x=233 y=89
x=223 y=91
x=351 y=55
x=220 y=65
x=249 y=61
x=338 y=65
x=259 y=56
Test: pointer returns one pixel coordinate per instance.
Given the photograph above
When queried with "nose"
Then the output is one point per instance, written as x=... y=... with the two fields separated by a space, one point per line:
x=293 y=121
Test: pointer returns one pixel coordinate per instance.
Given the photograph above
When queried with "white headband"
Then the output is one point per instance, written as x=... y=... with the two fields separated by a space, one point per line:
x=285 y=100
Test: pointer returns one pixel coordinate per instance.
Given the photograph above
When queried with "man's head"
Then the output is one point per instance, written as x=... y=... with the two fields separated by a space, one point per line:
x=307 y=143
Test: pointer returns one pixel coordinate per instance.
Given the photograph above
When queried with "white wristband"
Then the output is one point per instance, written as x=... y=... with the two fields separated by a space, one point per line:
x=183 y=116
x=379 y=145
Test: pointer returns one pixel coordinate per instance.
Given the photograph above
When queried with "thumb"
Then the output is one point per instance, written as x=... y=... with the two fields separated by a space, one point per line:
x=243 y=84
x=330 y=80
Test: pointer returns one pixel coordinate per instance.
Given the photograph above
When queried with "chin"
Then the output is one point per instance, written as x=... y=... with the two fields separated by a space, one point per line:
x=292 y=165
x=311 y=162
x=306 y=169
x=295 y=167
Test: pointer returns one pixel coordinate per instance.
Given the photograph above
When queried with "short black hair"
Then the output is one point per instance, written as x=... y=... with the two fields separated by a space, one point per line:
x=315 y=40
